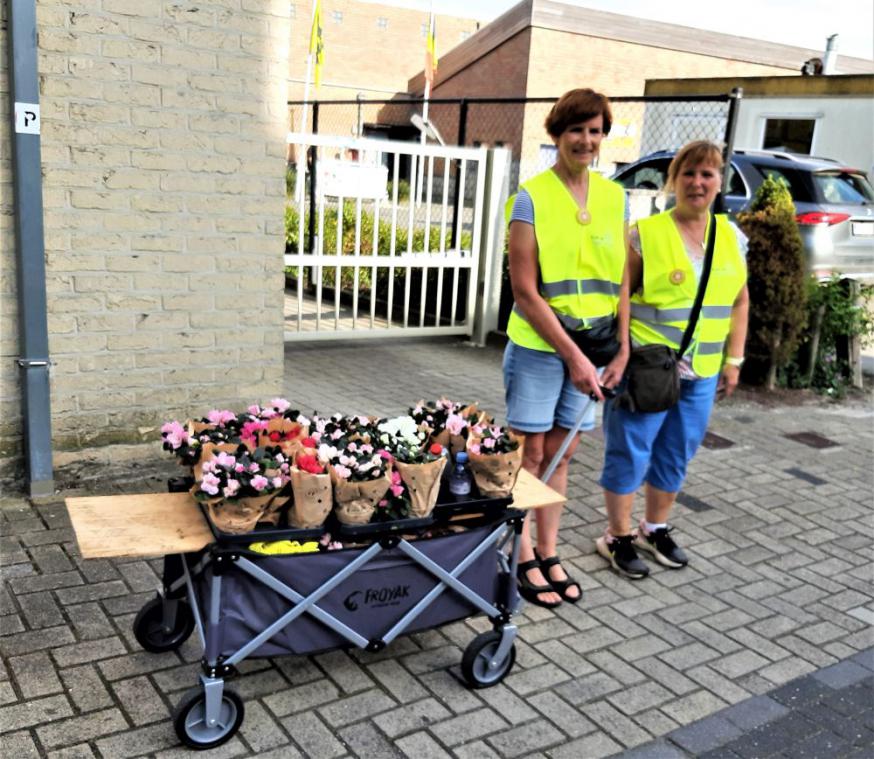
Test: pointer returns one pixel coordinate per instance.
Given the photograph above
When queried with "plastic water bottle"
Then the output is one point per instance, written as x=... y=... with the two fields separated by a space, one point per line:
x=460 y=479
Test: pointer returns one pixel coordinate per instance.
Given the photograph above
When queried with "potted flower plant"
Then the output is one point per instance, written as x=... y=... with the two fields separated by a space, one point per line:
x=311 y=485
x=360 y=474
x=419 y=464
x=495 y=456
x=240 y=488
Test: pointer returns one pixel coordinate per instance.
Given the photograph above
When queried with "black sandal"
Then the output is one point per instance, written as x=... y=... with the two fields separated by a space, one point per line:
x=528 y=590
x=559 y=586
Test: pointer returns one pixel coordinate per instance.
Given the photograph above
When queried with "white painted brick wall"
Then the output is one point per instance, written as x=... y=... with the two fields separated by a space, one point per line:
x=164 y=177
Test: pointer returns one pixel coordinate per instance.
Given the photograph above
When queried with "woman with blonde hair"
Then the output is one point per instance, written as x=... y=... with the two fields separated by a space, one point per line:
x=666 y=255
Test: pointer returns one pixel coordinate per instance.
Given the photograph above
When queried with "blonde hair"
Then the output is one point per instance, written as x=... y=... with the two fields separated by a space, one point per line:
x=695 y=153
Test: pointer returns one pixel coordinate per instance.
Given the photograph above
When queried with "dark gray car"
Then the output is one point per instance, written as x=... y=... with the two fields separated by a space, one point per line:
x=834 y=204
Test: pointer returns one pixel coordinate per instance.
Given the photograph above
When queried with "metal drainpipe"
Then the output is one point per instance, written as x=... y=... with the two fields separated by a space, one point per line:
x=30 y=247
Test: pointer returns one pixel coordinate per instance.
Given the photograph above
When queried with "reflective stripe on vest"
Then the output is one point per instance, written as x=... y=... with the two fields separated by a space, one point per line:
x=661 y=311
x=580 y=266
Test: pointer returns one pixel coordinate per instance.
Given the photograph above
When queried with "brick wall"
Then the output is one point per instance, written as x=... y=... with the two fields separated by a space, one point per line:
x=163 y=161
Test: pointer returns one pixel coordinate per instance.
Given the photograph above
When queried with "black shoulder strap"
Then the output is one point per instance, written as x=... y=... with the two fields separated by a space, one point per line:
x=702 y=286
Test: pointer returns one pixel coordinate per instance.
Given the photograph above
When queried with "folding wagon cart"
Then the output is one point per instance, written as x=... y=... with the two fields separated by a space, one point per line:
x=398 y=577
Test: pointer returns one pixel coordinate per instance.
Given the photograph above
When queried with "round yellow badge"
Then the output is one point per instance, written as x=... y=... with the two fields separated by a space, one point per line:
x=678 y=276
x=583 y=216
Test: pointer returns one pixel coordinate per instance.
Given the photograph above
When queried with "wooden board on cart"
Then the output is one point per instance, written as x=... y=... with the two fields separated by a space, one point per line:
x=154 y=524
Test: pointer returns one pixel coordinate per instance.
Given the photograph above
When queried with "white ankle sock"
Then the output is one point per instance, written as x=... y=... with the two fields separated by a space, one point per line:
x=652 y=527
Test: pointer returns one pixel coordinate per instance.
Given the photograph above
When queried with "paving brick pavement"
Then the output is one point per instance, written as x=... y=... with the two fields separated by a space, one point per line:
x=761 y=647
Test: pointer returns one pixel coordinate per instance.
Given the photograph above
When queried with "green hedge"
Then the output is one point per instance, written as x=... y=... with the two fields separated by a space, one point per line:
x=292 y=242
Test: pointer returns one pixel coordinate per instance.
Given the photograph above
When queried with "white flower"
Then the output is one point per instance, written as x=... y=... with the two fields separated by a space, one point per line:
x=327 y=452
x=403 y=427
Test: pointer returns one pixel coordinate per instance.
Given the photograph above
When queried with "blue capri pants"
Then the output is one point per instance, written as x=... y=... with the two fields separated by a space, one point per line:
x=656 y=447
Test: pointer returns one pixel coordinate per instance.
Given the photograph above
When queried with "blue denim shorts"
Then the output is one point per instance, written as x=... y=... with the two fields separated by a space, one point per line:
x=539 y=393
x=656 y=447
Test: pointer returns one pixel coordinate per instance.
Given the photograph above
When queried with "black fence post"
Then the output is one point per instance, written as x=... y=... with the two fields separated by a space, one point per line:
x=456 y=196
x=313 y=161
x=730 y=128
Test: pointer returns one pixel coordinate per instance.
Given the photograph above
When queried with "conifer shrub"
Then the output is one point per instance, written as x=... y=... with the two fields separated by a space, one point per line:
x=776 y=280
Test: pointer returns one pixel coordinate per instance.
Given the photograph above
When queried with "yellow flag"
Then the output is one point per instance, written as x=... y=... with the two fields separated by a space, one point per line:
x=431 y=51
x=317 y=47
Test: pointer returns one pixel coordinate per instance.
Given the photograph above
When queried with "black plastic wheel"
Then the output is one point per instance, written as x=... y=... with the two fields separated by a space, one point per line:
x=189 y=719
x=475 y=662
x=149 y=626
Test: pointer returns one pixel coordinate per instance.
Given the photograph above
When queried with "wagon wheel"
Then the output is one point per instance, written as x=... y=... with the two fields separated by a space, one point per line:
x=152 y=635
x=475 y=662
x=189 y=719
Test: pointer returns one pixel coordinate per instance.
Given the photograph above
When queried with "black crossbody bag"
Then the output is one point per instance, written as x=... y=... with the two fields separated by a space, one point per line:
x=653 y=372
x=598 y=344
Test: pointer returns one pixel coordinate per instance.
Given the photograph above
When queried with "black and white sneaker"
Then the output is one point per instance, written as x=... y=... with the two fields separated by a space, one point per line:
x=622 y=556
x=662 y=546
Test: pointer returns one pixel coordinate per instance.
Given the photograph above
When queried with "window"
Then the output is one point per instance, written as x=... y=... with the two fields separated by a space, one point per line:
x=794 y=180
x=843 y=187
x=382 y=23
x=424 y=28
x=337 y=16
x=789 y=135
x=735 y=182
x=648 y=176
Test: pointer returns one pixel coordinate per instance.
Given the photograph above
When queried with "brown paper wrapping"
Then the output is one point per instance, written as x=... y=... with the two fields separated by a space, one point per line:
x=239 y=516
x=312 y=499
x=208 y=453
x=356 y=501
x=495 y=473
x=423 y=482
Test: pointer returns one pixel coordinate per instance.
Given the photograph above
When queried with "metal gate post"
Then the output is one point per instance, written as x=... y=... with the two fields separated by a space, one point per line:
x=30 y=246
x=488 y=286
x=457 y=195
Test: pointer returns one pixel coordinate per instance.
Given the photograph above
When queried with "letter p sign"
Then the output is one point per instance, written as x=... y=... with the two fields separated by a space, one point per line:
x=27 y=118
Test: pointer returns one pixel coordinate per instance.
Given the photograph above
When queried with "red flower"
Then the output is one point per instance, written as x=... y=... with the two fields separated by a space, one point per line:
x=275 y=437
x=436 y=449
x=309 y=463
x=292 y=433
x=309 y=442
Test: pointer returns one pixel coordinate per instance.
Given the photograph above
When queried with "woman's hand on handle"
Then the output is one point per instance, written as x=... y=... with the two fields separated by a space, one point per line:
x=584 y=376
x=612 y=374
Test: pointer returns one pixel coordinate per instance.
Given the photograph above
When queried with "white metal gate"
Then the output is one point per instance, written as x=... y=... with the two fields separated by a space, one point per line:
x=384 y=254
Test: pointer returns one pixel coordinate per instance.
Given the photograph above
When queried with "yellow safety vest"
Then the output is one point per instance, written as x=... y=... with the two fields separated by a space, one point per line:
x=581 y=265
x=661 y=310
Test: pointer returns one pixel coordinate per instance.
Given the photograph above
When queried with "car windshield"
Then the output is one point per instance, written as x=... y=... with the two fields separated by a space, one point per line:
x=843 y=187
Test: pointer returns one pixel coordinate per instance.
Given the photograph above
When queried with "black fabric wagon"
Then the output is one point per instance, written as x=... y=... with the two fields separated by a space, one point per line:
x=399 y=577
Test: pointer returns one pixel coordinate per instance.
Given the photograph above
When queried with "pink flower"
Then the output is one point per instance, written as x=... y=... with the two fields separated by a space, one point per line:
x=385 y=454
x=254 y=468
x=363 y=420
x=366 y=448
x=477 y=430
x=221 y=417
x=259 y=482
x=352 y=447
x=455 y=424
x=489 y=442
x=346 y=460
x=383 y=503
x=336 y=434
x=473 y=448
x=254 y=409
x=239 y=468
x=396 y=478
x=208 y=466
x=210 y=484
x=280 y=404
x=396 y=490
x=231 y=488
x=277 y=482
x=283 y=468
x=342 y=472
x=225 y=460
x=175 y=434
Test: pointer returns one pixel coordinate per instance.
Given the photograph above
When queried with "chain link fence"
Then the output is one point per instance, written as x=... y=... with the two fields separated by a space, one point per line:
x=640 y=125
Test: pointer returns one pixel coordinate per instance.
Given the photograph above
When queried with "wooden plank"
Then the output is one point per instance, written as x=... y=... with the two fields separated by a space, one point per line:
x=531 y=493
x=154 y=524
x=150 y=524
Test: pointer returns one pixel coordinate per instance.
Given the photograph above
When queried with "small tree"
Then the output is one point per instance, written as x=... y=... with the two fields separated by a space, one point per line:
x=778 y=295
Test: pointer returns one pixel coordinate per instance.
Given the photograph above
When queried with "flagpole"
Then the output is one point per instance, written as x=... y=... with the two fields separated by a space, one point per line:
x=301 y=162
x=428 y=76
